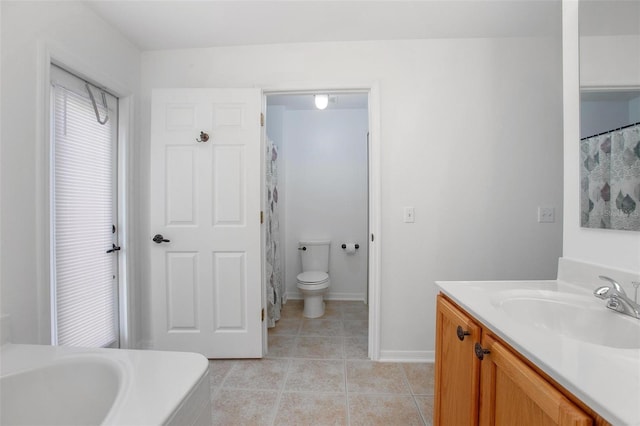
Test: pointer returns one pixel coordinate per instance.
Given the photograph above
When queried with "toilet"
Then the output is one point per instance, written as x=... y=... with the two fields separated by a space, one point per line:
x=313 y=281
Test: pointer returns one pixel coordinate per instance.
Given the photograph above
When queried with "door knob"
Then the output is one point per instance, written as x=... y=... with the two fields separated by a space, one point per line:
x=159 y=239
x=203 y=137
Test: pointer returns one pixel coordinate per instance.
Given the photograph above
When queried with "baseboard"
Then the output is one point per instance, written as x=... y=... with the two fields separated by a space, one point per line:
x=360 y=297
x=407 y=356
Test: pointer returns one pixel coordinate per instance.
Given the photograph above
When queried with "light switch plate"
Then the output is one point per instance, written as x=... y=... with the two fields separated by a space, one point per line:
x=546 y=214
x=409 y=215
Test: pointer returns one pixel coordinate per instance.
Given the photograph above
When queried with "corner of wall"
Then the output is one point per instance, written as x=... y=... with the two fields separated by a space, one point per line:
x=5 y=329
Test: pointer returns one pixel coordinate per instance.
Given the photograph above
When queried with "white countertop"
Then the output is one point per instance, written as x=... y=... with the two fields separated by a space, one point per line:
x=606 y=379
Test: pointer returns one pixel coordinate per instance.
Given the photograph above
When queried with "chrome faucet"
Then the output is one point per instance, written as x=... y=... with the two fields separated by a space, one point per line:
x=616 y=298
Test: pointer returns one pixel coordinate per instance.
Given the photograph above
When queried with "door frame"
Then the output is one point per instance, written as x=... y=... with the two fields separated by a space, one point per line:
x=52 y=54
x=374 y=195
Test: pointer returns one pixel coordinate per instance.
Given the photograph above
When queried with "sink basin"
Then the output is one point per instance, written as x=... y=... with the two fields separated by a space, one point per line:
x=575 y=316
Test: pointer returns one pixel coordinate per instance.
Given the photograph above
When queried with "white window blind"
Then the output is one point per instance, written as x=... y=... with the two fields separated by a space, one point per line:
x=83 y=203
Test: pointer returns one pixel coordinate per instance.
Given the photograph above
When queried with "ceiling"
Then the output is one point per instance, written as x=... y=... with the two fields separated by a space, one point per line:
x=180 y=24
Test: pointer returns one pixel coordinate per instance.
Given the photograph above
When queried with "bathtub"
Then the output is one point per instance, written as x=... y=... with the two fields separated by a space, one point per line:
x=54 y=385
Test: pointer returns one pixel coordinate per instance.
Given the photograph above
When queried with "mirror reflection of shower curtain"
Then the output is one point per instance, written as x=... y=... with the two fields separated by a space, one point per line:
x=610 y=179
x=273 y=268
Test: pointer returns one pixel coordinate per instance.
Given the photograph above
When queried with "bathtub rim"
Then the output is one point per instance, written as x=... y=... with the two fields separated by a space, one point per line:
x=138 y=402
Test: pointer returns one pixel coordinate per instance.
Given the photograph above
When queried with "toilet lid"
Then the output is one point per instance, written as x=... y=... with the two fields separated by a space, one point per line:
x=313 y=277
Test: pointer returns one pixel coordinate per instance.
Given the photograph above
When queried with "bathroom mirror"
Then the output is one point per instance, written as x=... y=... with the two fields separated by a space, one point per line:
x=610 y=114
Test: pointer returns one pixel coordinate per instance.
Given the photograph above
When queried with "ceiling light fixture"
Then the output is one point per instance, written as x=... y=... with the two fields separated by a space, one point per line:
x=321 y=101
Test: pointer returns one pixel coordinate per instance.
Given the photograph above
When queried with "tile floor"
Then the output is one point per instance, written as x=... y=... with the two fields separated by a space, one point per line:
x=317 y=373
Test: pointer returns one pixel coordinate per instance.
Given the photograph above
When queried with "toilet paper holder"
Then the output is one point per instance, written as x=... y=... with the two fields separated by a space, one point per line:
x=344 y=246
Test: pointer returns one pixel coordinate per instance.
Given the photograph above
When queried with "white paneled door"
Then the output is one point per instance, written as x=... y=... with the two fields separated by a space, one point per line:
x=205 y=205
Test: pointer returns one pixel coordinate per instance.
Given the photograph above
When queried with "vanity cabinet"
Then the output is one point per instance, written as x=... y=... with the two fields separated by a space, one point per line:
x=481 y=381
x=458 y=377
x=512 y=393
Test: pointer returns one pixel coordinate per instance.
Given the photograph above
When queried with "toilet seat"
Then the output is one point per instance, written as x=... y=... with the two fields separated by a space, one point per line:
x=313 y=277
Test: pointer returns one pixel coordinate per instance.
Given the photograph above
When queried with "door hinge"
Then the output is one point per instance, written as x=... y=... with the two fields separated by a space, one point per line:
x=262 y=314
x=261 y=217
x=261 y=119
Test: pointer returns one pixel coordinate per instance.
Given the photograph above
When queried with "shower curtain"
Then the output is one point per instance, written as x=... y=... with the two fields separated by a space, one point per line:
x=273 y=259
x=610 y=179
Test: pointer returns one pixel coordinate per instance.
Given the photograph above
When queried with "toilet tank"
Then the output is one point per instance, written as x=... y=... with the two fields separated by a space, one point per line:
x=316 y=256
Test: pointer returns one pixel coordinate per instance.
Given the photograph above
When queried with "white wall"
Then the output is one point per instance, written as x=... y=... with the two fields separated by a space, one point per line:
x=609 y=61
x=325 y=153
x=611 y=248
x=67 y=30
x=471 y=136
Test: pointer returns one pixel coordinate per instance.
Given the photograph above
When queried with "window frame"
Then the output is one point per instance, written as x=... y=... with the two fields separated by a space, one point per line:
x=65 y=80
x=49 y=54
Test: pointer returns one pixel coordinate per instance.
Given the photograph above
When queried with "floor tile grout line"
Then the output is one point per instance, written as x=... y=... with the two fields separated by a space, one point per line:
x=406 y=378
x=245 y=389
x=226 y=375
x=346 y=392
x=380 y=393
x=413 y=395
x=281 y=392
x=313 y=392
x=415 y=403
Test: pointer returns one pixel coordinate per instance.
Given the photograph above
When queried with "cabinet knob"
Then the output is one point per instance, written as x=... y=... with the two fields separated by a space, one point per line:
x=461 y=333
x=480 y=351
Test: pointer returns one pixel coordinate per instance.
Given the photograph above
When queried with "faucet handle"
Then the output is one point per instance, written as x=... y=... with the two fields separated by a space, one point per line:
x=613 y=283
x=635 y=285
x=602 y=292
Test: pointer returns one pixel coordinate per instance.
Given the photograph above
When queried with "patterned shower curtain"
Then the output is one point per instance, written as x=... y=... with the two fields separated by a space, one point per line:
x=273 y=270
x=610 y=179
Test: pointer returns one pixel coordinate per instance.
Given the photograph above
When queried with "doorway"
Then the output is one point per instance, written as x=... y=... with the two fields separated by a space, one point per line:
x=317 y=174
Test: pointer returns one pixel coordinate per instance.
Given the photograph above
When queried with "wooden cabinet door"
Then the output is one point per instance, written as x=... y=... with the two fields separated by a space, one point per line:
x=457 y=368
x=514 y=394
